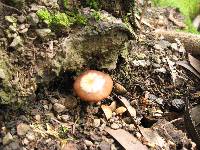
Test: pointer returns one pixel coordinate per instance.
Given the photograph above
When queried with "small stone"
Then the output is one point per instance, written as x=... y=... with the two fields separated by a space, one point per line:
x=105 y=145
x=65 y=118
x=30 y=136
x=37 y=117
x=120 y=110
x=178 y=105
x=16 y=41
x=7 y=138
x=25 y=141
x=21 y=18
x=46 y=107
x=59 y=107
x=114 y=126
x=107 y=111
x=159 y=101
x=2 y=74
x=43 y=32
x=14 y=145
x=22 y=129
x=69 y=102
x=119 y=89
x=88 y=143
x=96 y=122
x=33 y=18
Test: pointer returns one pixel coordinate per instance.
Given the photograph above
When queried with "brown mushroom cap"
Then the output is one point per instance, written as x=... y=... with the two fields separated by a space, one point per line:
x=93 y=86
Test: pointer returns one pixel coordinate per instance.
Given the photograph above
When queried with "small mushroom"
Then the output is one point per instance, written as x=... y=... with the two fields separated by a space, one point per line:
x=93 y=86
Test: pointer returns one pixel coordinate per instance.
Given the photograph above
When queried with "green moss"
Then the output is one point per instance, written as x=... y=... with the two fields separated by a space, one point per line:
x=93 y=4
x=65 y=3
x=96 y=15
x=189 y=8
x=59 y=19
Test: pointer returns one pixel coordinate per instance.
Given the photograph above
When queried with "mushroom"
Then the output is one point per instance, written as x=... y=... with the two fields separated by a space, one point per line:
x=93 y=86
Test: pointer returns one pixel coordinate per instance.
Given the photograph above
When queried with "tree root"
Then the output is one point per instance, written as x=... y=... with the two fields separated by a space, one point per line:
x=191 y=41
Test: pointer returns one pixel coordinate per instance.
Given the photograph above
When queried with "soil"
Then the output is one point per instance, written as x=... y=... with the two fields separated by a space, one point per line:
x=149 y=79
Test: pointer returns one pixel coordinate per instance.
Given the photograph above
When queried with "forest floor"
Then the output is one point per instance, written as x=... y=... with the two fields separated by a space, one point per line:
x=147 y=101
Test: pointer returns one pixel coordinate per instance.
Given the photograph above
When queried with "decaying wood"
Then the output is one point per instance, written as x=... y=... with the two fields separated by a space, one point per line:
x=191 y=41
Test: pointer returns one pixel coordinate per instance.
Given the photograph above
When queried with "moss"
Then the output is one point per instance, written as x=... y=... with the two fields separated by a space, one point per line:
x=58 y=19
x=93 y=4
x=189 y=8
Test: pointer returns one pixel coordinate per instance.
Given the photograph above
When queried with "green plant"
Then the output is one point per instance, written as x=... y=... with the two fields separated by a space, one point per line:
x=65 y=2
x=96 y=15
x=92 y=4
x=59 y=19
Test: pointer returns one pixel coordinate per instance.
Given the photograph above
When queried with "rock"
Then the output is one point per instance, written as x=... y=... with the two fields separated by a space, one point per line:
x=105 y=145
x=65 y=118
x=114 y=126
x=2 y=74
x=69 y=146
x=107 y=111
x=30 y=135
x=33 y=19
x=96 y=122
x=88 y=143
x=43 y=32
x=7 y=138
x=177 y=105
x=69 y=102
x=22 y=129
x=16 y=41
x=119 y=89
x=160 y=101
x=37 y=117
x=59 y=107
x=14 y=145
x=113 y=106
x=21 y=18
x=120 y=110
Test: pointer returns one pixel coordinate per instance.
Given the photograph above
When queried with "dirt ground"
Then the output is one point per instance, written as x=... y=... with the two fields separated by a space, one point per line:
x=149 y=81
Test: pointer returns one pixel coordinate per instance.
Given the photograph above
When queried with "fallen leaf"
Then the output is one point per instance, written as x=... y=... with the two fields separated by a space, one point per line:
x=127 y=140
x=113 y=106
x=186 y=65
x=153 y=138
x=194 y=62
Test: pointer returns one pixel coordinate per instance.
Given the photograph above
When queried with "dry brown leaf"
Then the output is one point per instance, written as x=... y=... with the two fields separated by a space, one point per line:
x=186 y=65
x=194 y=62
x=127 y=140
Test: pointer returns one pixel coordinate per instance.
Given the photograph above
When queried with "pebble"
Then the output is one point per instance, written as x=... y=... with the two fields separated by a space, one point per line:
x=21 y=18
x=105 y=145
x=88 y=143
x=33 y=18
x=178 y=105
x=65 y=118
x=22 y=129
x=30 y=135
x=120 y=110
x=43 y=32
x=25 y=141
x=7 y=138
x=59 y=107
x=114 y=126
x=14 y=145
x=37 y=117
x=2 y=74
x=97 y=122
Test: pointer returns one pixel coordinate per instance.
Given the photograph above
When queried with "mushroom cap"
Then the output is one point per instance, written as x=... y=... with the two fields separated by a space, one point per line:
x=93 y=86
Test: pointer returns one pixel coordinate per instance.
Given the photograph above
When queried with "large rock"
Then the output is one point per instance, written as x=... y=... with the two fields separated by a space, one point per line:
x=96 y=45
